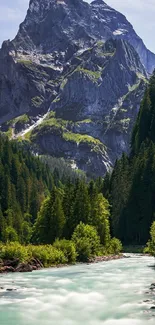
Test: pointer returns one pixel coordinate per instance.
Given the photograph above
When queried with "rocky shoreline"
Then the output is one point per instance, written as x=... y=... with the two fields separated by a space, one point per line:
x=11 y=266
x=151 y=301
x=99 y=259
x=14 y=265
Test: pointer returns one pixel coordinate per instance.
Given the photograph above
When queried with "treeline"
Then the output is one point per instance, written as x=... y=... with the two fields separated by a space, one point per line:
x=62 y=170
x=78 y=213
x=131 y=186
x=43 y=208
x=24 y=183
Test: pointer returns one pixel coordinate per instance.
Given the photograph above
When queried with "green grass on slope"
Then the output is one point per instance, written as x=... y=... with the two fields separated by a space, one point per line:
x=76 y=137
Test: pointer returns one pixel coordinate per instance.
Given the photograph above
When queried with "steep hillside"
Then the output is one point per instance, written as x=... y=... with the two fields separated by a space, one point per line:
x=131 y=187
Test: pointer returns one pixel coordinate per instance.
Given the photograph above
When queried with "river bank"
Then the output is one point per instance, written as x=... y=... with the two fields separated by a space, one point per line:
x=13 y=265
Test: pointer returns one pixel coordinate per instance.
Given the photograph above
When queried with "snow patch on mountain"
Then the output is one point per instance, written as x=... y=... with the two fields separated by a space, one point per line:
x=120 y=31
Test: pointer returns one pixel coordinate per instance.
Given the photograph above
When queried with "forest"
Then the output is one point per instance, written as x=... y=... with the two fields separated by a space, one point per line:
x=42 y=211
x=46 y=208
x=130 y=188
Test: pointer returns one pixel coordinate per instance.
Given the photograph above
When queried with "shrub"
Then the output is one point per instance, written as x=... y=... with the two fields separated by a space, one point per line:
x=151 y=243
x=14 y=250
x=87 y=241
x=68 y=248
x=47 y=255
x=10 y=235
x=115 y=246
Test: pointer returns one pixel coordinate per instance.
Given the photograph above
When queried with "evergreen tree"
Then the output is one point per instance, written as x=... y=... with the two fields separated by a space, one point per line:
x=142 y=126
x=51 y=220
x=81 y=207
x=100 y=218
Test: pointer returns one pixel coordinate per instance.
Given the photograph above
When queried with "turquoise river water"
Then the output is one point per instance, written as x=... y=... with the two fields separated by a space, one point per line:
x=107 y=293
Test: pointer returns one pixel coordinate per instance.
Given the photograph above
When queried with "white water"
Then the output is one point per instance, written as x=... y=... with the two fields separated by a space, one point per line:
x=33 y=126
x=108 y=293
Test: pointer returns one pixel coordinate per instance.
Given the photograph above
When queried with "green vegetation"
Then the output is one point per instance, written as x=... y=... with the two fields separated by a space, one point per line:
x=61 y=169
x=141 y=76
x=135 y=249
x=122 y=125
x=84 y=121
x=27 y=136
x=33 y=67
x=94 y=75
x=56 y=100
x=24 y=183
x=150 y=248
x=123 y=110
x=100 y=43
x=131 y=186
x=25 y=62
x=37 y=101
x=67 y=220
x=48 y=255
x=64 y=82
x=75 y=137
x=87 y=241
x=22 y=119
x=9 y=133
x=53 y=122
x=134 y=87
x=57 y=124
x=68 y=248
x=108 y=53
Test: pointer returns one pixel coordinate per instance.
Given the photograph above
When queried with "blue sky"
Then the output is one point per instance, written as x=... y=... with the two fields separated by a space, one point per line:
x=141 y=13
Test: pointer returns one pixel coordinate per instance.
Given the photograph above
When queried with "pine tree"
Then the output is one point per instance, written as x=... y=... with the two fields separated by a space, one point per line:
x=68 y=208
x=51 y=220
x=81 y=208
x=142 y=127
x=100 y=220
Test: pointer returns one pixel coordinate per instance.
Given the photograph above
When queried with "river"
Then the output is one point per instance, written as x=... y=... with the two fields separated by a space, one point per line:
x=107 y=293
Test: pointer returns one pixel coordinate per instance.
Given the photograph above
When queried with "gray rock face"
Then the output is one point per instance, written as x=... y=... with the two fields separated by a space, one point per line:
x=65 y=25
x=85 y=63
x=119 y=27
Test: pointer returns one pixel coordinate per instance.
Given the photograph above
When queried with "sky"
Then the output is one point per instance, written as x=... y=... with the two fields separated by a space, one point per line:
x=140 y=13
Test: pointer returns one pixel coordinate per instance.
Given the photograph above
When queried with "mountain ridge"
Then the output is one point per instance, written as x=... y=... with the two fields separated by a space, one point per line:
x=76 y=60
x=100 y=22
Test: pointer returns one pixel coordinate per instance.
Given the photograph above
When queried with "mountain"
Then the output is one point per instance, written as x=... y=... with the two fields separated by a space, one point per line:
x=72 y=81
x=53 y=25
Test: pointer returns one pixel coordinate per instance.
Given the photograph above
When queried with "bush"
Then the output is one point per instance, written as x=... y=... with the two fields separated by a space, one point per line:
x=10 y=235
x=13 y=250
x=87 y=241
x=47 y=255
x=68 y=248
x=151 y=243
x=115 y=246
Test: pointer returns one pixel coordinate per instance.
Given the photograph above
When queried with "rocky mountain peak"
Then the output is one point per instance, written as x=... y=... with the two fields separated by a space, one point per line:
x=56 y=25
x=99 y=3
x=72 y=81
